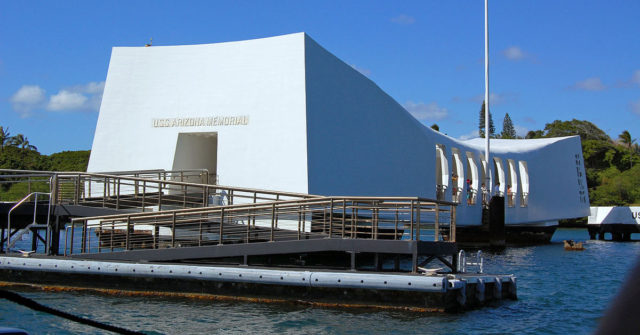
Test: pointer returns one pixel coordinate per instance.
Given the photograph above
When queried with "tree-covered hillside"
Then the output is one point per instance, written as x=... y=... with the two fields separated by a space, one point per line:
x=16 y=152
x=612 y=167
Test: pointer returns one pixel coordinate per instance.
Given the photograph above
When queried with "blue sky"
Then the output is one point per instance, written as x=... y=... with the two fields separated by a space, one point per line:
x=549 y=59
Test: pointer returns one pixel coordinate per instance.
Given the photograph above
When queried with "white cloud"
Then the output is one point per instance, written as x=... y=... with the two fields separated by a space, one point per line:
x=514 y=53
x=72 y=98
x=403 y=19
x=635 y=107
x=67 y=101
x=364 y=71
x=86 y=97
x=589 y=84
x=27 y=98
x=426 y=112
x=90 y=88
x=469 y=135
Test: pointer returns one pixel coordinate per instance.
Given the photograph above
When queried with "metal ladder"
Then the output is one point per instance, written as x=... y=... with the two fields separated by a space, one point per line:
x=33 y=225
x=462 y=262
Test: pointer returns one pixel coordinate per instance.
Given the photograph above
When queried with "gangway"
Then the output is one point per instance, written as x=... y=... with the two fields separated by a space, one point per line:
x=342 y=227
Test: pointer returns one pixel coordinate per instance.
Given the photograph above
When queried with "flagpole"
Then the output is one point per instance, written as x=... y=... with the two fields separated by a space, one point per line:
x=487 y=132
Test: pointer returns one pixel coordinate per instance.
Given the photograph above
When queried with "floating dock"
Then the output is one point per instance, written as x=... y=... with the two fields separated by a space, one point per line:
x=141 y=234
x=417 y=292
x=618 y=222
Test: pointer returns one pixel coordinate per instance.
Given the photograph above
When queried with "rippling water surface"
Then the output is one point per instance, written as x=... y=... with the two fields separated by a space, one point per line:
x=560 y=292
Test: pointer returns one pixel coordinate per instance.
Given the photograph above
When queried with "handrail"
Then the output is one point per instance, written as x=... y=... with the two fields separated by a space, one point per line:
x=164 y=182
x=107 y=172
x=181 y=183
x=261 y=205
x=35 y=208
x=329 y=217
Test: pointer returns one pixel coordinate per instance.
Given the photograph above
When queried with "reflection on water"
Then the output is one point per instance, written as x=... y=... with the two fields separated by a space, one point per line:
x=559 y=292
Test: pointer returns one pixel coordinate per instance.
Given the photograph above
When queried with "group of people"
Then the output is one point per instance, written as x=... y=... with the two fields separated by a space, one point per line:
x=457 y=191
x=496 y=192
x=483 y=189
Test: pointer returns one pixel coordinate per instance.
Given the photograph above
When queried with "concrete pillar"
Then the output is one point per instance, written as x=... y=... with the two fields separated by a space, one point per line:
x=497 y=236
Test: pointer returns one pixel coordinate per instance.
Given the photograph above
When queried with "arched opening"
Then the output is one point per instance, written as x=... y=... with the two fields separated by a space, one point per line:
x=457 y=176
x=499 y=187
x=485 y=174
x=472 y=175
x=442 y=172
x=512 y=183
x=524 y=181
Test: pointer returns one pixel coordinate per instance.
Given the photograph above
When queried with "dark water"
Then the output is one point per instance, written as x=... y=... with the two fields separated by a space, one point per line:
x=559 y=292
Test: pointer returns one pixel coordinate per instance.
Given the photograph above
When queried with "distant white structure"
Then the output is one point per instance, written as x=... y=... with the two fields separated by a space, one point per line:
x=614 y=215
x=283 y=113
x=620 y=222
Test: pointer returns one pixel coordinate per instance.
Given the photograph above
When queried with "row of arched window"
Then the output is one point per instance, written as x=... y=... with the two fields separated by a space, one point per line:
x=467 y=178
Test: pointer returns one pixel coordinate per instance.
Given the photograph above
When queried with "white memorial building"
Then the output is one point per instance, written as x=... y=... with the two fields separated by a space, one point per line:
x=282 y=113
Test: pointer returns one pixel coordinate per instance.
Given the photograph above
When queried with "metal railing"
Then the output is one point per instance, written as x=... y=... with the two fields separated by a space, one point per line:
x=392 y=218
x=524 y=199
x=33 y=224
x=149 y=190
x=440 y=191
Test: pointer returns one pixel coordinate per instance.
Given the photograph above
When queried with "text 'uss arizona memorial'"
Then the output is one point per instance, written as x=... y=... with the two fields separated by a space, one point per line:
x=202 y=121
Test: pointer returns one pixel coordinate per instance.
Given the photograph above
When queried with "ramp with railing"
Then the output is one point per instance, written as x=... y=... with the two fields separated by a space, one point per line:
x=377 y=225
x=166 y=216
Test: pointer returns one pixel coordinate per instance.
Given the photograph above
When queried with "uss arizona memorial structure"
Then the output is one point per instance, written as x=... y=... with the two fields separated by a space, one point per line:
x=283 y=113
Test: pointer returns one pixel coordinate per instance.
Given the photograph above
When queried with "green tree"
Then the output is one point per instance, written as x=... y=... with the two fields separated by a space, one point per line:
x=435 y=127
x=617 y=188
x=625 y=138
x=508 y=131
x=5 y=137
x=69 y=161
x=534 y=134
x=12 y=157
x=492 y=129
x=586 y=130
x=22 y=142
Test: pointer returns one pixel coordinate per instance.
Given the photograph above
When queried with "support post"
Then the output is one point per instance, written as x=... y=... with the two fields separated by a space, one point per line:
x=173 y=230
x=144 y=192
x=159 y=196
x=344 y=213
x=118 y=195
x=65 y=237
x=353 y=260
x=221 y=230
x=418 y=208
x=273 y=220
x=84 y=237
x=411 y=224
x=437 y=223
x=330 y=217
x=452 y=233
x=128 y=236
x=414 y=258
x=113 y=230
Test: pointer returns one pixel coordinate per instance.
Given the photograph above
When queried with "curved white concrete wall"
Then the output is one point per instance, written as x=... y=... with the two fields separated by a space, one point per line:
x=262 y=79
x=308 y=123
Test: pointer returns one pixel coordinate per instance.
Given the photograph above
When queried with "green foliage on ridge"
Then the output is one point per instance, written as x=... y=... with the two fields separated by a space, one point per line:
x=16 y=153
x=612 y=168
x=69 y=161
